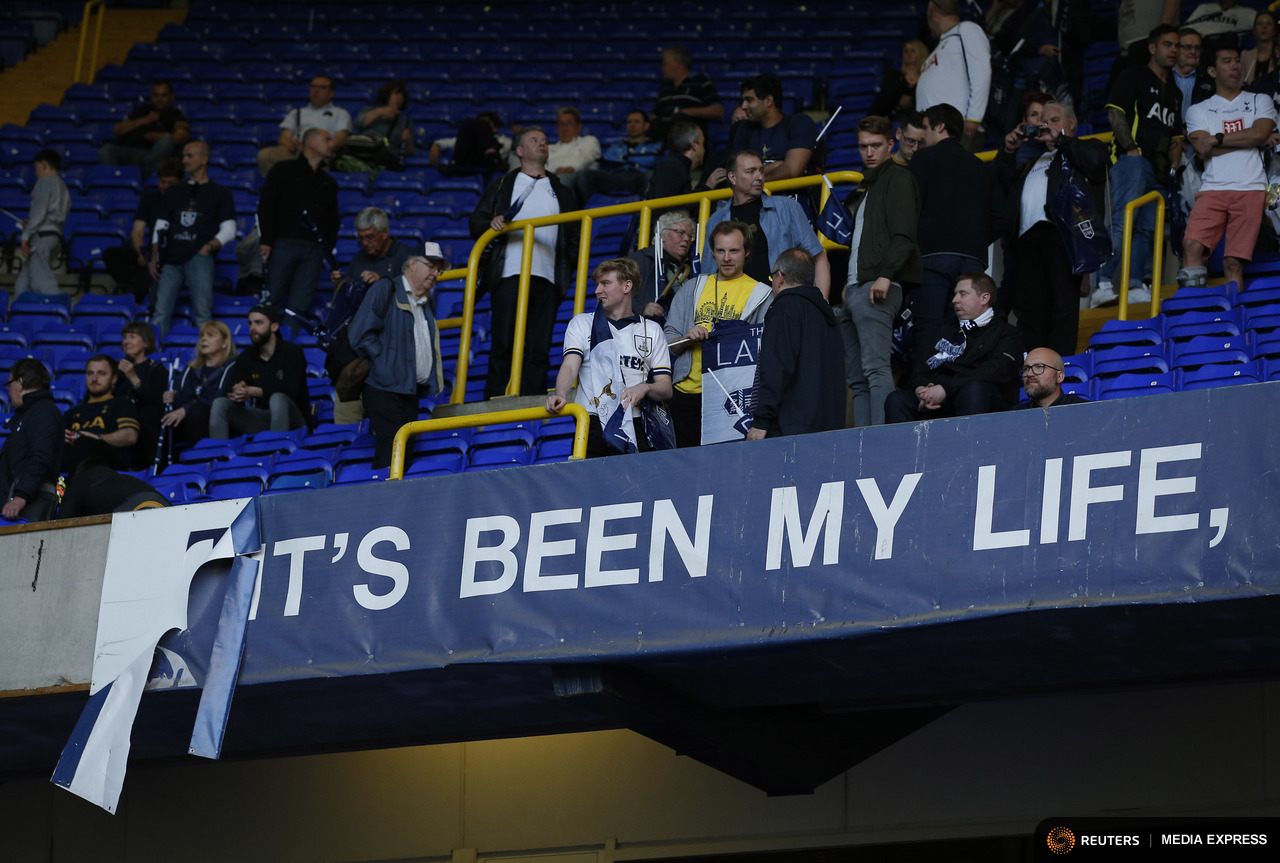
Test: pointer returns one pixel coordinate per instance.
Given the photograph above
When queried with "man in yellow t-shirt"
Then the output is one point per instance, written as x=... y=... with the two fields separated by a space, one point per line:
x=727 y=294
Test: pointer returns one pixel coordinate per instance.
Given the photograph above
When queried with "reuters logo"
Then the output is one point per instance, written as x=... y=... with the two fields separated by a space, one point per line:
x=1060 y=840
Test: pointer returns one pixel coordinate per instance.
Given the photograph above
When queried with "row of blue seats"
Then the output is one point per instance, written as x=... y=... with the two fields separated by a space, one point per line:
x=1180 y=380
x=1189 y=354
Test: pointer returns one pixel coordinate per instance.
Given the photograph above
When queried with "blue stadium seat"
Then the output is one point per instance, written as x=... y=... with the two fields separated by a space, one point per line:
x=269 y=443
x=436 y=463
x=1115 y=332
x=1216 y=298
x=1220 y=376
x=1126 y=386
x=1209 y=350
x=1192 y=324
x=226 y=483
x=32 y=305
x=208 y=450
x=360 y=472
x=1127 y=360
x=1266 y=345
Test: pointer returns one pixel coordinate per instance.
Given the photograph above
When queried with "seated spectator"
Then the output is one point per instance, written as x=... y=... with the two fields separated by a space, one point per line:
x=896 y=97
x=910 y=136
x=384 y=132
x=958 y=72
x=573 y=152
x=205 y=379
x=974 y=369
x=625 y=164
x=618 y=361
x=798 y=388
x=96 y=489
x=104 y=426
x=143 y=381
x=42 y=229
x=396 y=332
x=32 y=453
x=1227 y=131
x=268 y=384
x=683 y=94
x=298 y=218
x=128 y=264
x=153 y=131
x=674 y=235
x=479 y=146
x=319 y=113
x=197 y=219
x=1264 y=57
x=785 y=143
x=1042 y=379
x=775 y=222
x=673 y=174
x=728 y=294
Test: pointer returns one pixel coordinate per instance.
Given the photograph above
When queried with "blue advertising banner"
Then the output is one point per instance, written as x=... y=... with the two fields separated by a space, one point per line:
x=1160 y=499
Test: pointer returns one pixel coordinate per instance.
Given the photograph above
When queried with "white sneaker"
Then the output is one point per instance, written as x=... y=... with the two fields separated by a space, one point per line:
x=1103 y=295
x=1140 y=294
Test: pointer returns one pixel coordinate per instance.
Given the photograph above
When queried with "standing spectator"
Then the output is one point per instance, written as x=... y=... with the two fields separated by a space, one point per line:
x=268 y=384
x=395 y=330
x=1047 y=299
x=896 y=97
x=142 y=380
x=526 y=194
x=684 y=94
x=910 y=136
x=319 y=113
x=298 y=217
x=785 y=143
x=1029 y=147
x=205 y=379
x=975 y=367
x=1193 y=83
x=1042 y=378
x=1135 y=20
x=957 y=202
x=1023 y=48
x=479 y=147
x=728 y=294
x=653 y=293
x=1226 y=17
x=31 y=453
x=1261 y=59
x=775 y=222
x=380 y=256
x=958 y=72
x=625 y=164
x=103 y=427
x=573 y=152
x=387 y=120
x=1228 y=131
x=1145 y=111
x=42 y=230
x=128 y=264
x=197 y=219
x=686 y=151
x=153 y=132
x=798 y=388
x=618 y=360
x=887 y=263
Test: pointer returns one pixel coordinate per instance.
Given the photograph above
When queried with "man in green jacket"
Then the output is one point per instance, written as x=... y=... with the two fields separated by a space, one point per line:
x=884 y=259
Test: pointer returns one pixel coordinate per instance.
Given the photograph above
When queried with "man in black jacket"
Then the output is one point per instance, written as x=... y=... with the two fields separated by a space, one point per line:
x=298 y=218
x=31 y=454
x=1047 y=296
x=957 y=202
x=975 y=367
x=268 y=383
x=526 y=193
x=798 y=385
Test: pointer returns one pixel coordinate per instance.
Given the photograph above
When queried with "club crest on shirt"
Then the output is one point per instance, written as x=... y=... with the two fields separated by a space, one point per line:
x=188 y=218
x=644 y=344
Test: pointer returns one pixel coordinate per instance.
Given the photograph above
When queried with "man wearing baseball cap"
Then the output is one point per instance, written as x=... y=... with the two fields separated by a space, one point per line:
x=396 y=331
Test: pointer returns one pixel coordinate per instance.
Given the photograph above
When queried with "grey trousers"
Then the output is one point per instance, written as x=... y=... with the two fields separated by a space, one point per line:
x=227 y=417
x=37 y=275
x=867 y=331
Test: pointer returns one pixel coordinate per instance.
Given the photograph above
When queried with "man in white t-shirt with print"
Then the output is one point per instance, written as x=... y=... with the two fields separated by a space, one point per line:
x=1227 y=130
x=618 y=358
x=318 y=113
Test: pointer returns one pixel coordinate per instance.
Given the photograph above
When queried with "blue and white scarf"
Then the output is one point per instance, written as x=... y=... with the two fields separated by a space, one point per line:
x=948 y=351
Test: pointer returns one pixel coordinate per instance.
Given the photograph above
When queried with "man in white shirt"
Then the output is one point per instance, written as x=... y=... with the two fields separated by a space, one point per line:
x=1228 y=131
x=574 y=152
x=958 y=72
x=619 y=359
x=319 y=113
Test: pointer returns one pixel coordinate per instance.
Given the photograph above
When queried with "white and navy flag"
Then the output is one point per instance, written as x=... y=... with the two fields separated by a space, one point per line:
x=603 y=385
x=728 y=379
x=834 y=222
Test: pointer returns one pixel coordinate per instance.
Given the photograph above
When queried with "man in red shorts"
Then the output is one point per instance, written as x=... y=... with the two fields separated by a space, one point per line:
x=1228 y=131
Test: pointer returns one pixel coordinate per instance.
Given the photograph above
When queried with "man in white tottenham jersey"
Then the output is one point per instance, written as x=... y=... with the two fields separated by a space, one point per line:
x=1228 y=131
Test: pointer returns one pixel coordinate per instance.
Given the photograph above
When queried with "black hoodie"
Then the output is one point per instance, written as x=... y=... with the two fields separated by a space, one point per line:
x=800 y=373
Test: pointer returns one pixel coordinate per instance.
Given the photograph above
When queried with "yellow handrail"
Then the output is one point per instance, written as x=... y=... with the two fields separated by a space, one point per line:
x=400 y=445
x=98 y=6
x=1157 y=253
x=585 y=219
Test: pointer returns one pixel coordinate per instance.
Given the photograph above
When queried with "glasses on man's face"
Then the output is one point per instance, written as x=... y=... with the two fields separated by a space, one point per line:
x=688 y=235
x=912 y=142
x=1038 y=369
x=1194 y=49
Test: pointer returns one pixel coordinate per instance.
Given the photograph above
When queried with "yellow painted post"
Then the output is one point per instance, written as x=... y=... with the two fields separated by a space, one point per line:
x=1157 y=251
x=645 y=229
x=522 y=312
x=85 y=23
x=97 y=41
x=584 y=262
x=468 y=318
x=1126 y=249
x=1157 y=258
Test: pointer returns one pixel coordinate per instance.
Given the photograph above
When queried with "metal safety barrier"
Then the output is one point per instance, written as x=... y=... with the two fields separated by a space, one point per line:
x=95 y=11
x=399 y=446
x=1157 y=252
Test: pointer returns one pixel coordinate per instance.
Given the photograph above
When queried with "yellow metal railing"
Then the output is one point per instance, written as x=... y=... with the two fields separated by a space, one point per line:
x=1157 y=253
x=95 y=11
x=585 y=219
x=399 y=446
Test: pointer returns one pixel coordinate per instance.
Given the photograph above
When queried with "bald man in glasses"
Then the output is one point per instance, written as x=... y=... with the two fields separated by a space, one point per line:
x=1042 y=378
